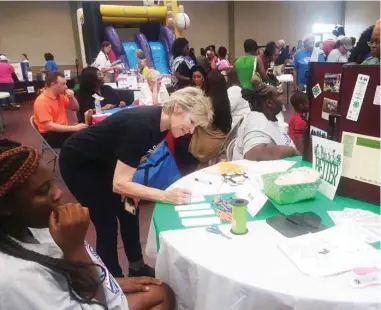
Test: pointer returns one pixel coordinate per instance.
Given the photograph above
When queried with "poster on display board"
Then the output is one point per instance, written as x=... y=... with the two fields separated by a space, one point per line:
x=329 y=107
x=356 y=149
x=18 y=70
x=358 y=97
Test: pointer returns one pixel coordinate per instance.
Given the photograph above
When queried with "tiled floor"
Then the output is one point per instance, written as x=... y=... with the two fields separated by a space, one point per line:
x=18 y=128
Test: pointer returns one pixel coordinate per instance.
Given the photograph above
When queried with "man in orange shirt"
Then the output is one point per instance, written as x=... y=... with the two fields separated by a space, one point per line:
x=50 y=107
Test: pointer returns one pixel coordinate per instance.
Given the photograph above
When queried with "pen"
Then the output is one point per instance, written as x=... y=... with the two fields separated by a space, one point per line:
x=203 y=181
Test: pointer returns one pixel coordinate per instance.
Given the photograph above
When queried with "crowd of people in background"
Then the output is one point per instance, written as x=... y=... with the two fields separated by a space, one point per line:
x=211 y=98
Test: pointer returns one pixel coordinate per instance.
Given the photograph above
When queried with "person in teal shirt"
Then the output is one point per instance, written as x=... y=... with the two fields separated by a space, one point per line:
x=374 y=45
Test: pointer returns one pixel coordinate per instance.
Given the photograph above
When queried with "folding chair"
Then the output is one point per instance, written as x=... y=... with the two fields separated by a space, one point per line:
x=230 y=149
x=222 y=153
x=44 y=145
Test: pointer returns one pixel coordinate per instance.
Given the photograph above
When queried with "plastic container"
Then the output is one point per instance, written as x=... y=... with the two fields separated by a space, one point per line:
x=98 y=107
x=286 y=194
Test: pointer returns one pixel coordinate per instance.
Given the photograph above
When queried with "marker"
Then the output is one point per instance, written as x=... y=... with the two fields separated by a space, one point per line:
x=203 y=181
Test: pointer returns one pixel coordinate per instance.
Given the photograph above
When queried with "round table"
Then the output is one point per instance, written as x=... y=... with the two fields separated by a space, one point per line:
x=207 y=271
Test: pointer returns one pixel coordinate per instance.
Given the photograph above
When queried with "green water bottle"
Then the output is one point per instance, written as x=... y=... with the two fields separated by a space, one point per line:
x=239 y=216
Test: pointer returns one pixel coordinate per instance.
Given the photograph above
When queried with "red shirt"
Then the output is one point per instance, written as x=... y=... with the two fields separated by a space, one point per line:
x=296 y=127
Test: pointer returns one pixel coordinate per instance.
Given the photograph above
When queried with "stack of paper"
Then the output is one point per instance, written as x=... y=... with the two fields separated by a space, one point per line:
x=197 y=215
x=330 y=252
x=366 y=223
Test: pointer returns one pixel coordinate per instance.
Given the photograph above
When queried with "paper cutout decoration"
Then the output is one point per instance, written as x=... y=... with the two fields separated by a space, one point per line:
x=316 y=90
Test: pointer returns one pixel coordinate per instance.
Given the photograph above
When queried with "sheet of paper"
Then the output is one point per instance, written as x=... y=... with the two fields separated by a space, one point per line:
x=195 y=213
x=356 y=149
x=366 y=223
x=256 y=198
x=67 y=74
x=377 y=95
x=30 y=76
x=201 y=221
x=358 y=97
x=199 y=206
x=329 y=252
x=30 y=89
x=195 y=199
x=315 y=131
x=200 y=189
x=328 y=161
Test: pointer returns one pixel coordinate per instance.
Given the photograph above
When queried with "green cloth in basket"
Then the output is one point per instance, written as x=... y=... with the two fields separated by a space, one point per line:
x=285 y=194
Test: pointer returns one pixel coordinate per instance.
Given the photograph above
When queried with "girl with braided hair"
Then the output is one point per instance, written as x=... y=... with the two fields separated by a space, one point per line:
x=44 y=261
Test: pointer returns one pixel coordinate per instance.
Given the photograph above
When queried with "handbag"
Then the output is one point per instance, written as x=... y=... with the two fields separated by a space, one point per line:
x=256 y=78
x=259 y=86
x=158 y=170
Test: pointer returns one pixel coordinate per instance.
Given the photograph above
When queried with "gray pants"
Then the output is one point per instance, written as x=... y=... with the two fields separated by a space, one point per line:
x=8 y=88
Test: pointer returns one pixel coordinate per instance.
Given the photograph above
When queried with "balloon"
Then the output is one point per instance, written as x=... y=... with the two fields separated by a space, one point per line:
x=182 y=21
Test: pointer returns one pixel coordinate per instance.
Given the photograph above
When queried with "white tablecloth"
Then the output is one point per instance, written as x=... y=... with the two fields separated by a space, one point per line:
x=254 y=170
x=209 y=272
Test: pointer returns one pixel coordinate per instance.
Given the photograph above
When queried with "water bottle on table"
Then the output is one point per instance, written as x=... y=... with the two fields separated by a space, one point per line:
x=98 y=107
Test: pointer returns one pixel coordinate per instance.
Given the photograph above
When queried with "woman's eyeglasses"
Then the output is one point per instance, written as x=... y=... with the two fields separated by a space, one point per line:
x=371 y=43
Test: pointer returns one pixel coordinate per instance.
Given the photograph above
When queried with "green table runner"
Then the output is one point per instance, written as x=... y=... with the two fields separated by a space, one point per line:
x=166 y=218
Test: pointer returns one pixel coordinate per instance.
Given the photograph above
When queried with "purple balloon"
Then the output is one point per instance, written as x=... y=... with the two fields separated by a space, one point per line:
x=112 y=36
x=143 y=44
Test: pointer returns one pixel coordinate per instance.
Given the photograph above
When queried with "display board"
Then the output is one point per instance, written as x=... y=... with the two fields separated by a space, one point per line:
x=359 y=107
x=323 y=91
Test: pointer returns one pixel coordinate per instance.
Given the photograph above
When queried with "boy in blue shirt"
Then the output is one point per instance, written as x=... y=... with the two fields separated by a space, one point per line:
x=301 y=60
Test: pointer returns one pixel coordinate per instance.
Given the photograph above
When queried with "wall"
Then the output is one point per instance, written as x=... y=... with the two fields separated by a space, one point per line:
x=208 y=23
x=35 y=28
x=359 y=15
x=288 y=20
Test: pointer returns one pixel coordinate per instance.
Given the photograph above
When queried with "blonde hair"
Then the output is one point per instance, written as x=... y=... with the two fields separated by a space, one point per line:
x=191 y=100
x=152 y=75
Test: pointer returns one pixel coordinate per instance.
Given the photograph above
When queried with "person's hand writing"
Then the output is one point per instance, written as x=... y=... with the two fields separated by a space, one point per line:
x=69 y=93
x=122 y=104
x=178 y=196
x=136 y=285
x=68 y=225
x=79 y=126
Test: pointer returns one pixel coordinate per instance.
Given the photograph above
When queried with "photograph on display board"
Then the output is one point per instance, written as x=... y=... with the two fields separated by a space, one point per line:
x=329 y=107
x=332 y=82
